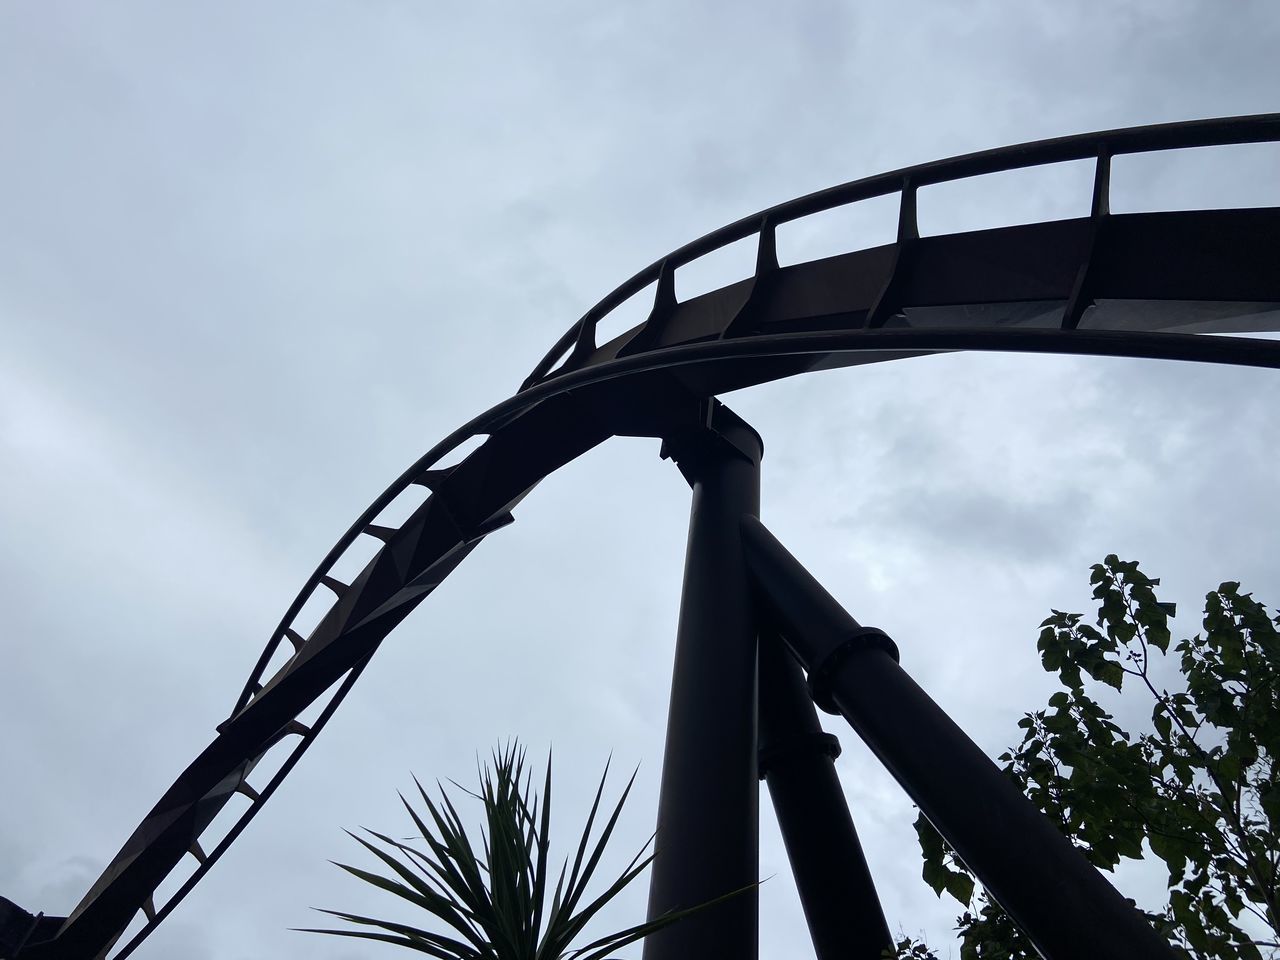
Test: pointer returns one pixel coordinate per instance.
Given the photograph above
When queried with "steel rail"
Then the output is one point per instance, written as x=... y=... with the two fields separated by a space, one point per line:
x=238 y=827
x=1224 y=131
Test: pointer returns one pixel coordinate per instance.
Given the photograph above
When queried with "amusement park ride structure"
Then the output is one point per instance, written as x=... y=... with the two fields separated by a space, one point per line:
x=759 y=642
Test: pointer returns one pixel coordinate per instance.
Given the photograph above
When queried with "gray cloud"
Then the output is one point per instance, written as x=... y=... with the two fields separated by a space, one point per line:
x=253 y=260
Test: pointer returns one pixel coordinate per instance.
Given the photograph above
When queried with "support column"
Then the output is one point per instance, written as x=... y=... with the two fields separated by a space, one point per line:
x=1064 y=905
x=797 y=761
x=708 y=809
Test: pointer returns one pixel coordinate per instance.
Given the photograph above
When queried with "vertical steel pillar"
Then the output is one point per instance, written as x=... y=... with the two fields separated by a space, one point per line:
x=1065 y=906
x=797 y=761
x=708 y=809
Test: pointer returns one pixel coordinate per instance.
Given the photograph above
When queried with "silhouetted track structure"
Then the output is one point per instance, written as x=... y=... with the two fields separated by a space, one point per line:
x=1152 y=285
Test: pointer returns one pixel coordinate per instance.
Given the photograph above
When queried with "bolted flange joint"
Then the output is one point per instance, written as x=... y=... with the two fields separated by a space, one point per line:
x=775 y=754
x=820 y=676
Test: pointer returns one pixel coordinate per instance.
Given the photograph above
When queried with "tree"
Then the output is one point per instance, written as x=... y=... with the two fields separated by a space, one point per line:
x=494 y=904
x=1200 y=789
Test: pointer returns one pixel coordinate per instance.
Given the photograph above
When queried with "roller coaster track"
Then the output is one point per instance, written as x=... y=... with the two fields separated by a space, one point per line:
x=1133 y=285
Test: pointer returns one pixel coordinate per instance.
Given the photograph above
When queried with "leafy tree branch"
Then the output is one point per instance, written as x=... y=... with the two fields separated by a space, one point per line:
x=1199 y=790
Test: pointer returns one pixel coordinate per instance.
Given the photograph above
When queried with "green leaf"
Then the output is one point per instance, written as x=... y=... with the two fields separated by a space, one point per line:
x=1201 y=792
x=1109 y=673
x=960 y=886
x=1160 y=720
x=495 y=897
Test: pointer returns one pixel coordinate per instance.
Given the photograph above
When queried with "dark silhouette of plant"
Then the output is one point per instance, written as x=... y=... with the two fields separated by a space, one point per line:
x=494 y=901
x=1200 y=790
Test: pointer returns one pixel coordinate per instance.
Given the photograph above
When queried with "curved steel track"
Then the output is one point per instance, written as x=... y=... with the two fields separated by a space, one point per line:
x=1135 y=285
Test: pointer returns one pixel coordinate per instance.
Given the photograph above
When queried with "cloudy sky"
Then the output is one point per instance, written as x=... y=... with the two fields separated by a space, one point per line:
x=256 y=257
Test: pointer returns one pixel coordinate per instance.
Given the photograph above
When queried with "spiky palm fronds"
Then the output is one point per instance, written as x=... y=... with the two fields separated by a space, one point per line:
x=494 y=902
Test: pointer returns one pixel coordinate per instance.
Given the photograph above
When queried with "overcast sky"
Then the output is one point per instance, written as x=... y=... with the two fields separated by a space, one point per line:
x=256 y=257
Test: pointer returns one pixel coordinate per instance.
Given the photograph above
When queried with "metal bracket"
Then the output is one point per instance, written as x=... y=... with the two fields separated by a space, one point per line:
x=437 y=481
x=721 y=432
x=664 y=305
x=887 y=303
x=1082 y=290
x=762 y=281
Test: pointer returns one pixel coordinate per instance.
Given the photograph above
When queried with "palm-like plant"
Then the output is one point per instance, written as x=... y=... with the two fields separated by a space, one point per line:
x=495 y=905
